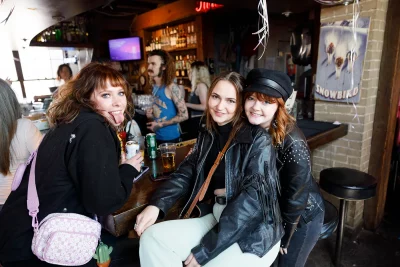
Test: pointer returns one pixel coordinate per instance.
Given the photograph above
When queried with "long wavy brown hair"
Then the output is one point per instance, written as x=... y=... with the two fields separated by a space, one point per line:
x=237 y=81
x=283 y=120
x=76 y=93
x=168 y=75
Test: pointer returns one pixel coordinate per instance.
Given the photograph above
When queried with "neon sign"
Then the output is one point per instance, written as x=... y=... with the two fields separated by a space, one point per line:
x=202 y=6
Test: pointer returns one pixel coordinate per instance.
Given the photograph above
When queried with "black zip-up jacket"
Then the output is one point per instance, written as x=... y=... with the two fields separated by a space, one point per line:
x=300 y=200
x=251 y=217
x=78 y=171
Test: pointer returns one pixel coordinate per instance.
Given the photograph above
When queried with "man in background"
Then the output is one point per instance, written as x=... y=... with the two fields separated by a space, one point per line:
x=169 y=107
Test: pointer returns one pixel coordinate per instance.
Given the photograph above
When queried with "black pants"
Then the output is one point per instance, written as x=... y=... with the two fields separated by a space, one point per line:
x=35 y=262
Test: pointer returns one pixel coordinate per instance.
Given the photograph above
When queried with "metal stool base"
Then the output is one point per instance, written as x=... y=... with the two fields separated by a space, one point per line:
x=339 y=235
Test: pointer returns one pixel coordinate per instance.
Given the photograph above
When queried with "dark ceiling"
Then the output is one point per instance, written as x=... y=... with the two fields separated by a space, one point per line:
x=45 y=13
x=129 y=8
x=274 y=6
x=121 y=8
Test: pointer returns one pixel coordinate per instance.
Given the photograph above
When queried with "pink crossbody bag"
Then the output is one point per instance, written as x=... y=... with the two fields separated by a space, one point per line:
x=66 y=239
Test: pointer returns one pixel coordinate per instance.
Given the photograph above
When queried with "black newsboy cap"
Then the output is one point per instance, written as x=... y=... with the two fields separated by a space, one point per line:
x=270 y=82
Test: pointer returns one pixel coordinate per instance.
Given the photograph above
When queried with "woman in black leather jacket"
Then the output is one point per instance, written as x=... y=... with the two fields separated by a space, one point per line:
x=244 y=227
x=300 y=200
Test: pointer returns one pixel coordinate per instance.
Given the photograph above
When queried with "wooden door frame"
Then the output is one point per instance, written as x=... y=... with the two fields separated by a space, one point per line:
x=385 y=116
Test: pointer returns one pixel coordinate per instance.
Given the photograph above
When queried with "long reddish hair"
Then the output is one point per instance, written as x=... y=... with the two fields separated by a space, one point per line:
x=284 y=121
x=76 y=93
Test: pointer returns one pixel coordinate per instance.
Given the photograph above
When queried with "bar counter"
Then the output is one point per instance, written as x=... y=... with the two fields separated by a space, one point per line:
x=122 y=221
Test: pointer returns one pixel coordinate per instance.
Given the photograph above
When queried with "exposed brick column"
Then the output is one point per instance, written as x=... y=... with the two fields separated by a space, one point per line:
x=353 y=150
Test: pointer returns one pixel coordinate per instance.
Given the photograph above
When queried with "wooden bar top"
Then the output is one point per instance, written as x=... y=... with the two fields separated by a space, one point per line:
x=122 y=221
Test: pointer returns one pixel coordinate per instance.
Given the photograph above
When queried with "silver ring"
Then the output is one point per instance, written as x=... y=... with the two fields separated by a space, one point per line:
x=134 y=227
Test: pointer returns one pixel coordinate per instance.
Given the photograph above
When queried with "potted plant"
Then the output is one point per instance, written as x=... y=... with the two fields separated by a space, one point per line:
x=102 y=255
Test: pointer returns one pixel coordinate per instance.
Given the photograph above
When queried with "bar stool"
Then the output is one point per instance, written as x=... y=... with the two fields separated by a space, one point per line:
x=346 y=184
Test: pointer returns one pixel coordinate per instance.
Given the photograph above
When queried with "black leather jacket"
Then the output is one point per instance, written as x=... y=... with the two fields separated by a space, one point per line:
x=251 y=217
x=300 y=200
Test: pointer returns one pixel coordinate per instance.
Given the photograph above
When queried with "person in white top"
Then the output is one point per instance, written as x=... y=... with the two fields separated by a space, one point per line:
x=19 y=138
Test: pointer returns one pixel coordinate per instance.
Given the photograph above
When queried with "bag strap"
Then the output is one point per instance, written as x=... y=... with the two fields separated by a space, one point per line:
x=33 y=199
x=202 y=192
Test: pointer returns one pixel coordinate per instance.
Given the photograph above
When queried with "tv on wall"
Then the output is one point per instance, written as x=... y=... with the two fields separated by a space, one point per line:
x=125 y=49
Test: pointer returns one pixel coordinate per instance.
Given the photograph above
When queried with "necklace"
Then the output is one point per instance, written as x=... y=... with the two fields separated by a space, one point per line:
x=120 y=136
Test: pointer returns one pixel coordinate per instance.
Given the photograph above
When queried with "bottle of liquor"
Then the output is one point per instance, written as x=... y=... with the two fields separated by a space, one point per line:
x=188 y=62
x=189 y=40
x=184 y=41
x=178 y=42
x=173 y=38
x=176 y=37
x=183 y=69
x=177 y=67
x=157 y=45
x=58 y=34
x=167 y=43
x=194 y=41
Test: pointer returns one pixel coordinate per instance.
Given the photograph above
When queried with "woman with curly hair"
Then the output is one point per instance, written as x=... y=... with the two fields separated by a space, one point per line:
x=300 y=201
x=199 y=76
x=80 y=166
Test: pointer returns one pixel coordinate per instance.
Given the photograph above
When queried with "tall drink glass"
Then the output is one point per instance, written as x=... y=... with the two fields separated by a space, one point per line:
x=168 y=157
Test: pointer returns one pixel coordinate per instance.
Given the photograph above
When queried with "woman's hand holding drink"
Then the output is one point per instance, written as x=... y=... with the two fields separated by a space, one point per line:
x=135 y=161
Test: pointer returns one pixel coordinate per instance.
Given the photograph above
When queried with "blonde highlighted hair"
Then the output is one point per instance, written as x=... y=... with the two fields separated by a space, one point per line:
x=199 y=74
x=283 y=121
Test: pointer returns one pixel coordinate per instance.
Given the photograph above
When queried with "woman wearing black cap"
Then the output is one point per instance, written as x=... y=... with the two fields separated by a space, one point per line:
x=300 y=201
x=243 y=226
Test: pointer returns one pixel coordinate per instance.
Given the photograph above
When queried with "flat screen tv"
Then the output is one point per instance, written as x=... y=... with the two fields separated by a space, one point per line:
x=125 y=49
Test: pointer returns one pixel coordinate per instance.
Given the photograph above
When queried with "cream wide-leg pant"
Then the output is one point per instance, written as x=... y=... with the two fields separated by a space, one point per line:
x=169 y=243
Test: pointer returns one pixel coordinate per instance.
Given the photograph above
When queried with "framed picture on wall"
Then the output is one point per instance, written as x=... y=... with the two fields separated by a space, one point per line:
x=341 y=54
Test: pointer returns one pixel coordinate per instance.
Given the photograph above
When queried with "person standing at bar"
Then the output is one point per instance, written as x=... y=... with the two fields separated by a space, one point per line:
x=64 y=74
x=169 y=107
x=199 y=76
x=301 y=203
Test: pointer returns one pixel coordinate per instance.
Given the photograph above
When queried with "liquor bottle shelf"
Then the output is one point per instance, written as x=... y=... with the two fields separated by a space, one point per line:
x=180 y=49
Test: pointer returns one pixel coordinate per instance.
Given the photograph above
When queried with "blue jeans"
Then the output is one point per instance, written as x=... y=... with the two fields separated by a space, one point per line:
x=302 y=242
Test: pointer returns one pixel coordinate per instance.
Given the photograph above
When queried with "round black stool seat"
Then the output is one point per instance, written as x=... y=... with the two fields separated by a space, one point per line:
x=348 y=183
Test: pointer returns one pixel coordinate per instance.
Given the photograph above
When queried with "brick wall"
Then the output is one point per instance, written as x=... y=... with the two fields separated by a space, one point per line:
x=353 y=150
